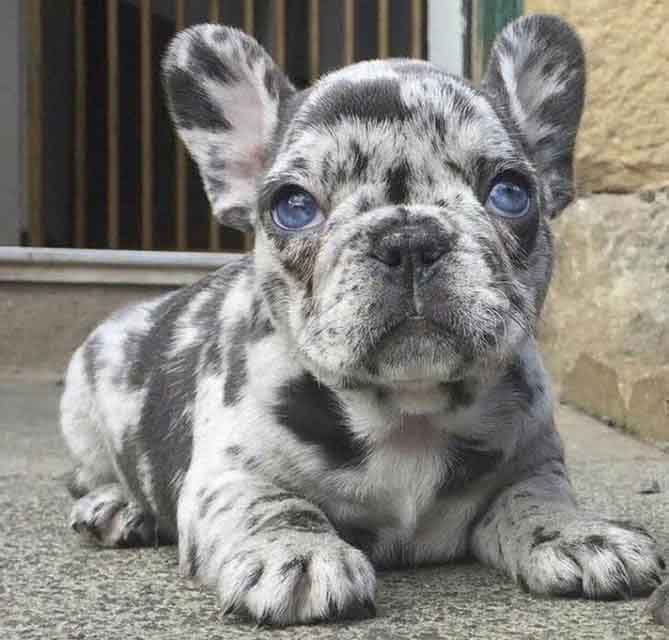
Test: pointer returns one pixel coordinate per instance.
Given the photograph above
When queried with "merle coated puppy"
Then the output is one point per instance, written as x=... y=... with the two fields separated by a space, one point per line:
x=365 y=389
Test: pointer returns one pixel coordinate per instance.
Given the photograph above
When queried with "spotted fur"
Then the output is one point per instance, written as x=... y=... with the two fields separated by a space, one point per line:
x=367 y=392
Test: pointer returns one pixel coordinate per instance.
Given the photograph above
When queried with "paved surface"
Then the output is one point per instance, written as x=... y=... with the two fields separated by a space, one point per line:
x=53 y=587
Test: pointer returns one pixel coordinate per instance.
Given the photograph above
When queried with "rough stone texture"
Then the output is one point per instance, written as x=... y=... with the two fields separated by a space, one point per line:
x=53 y=586
x=42 y=324
x=623 y=145
x=605 y=332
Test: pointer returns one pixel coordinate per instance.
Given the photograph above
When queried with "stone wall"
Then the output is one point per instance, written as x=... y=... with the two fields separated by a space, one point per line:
x=605 y=334
x=624 y=141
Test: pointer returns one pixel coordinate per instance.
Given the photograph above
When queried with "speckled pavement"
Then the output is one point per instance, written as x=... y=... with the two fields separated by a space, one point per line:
x=51 y=586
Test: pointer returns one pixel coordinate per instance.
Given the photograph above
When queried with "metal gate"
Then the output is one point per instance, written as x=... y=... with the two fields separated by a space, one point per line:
x=103 y=167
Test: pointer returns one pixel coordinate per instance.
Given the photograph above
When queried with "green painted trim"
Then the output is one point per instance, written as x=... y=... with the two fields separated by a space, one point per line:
x=489 y=18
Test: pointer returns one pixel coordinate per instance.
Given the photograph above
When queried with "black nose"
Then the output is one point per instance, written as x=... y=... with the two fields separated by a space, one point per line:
x=415 y=246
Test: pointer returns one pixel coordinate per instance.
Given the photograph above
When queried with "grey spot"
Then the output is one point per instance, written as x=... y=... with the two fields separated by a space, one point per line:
x=296 y=520
x=540 y=536
x=236 y=373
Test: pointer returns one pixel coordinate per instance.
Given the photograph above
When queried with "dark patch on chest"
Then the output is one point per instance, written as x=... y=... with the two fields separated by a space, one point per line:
x=313 y=413
x=469 y=461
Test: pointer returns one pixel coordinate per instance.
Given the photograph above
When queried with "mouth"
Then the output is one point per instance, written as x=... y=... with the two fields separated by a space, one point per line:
x=412 y=350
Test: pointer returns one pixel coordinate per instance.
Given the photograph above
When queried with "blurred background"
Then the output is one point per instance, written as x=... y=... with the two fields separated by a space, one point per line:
x=100 y=205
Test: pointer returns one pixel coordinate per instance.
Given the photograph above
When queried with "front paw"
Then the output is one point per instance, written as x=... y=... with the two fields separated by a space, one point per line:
x=599 y=559
x=658 y=605
x=298 y=580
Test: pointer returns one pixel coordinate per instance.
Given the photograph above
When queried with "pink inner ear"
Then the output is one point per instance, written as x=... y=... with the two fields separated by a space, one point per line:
x=248 y=163
x=250 y=117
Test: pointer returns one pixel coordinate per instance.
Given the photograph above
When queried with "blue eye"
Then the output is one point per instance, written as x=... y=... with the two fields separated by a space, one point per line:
x=509 y=197
x=294 y=209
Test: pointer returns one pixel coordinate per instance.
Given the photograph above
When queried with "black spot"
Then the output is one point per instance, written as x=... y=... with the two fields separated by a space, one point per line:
x=275 y=291
x=360 y=160
x=377 y=100
x=135 y=373
x=300 y=164
x=301 y=563
x=470 y=461
x=203 y=59
x=313 y=413
x=213 y=357
x=540 y=535
x=595 y=542
x=91 y=356
x=270 y=499
x=253 y=578
x=251 y=463
x=397 y=183
x=269 y=80
x=296 y=520
x=224 y=508
x=192 y=107
x=260 y=324
x=236 y=373
x=206 y=503
x=516 y=377
x=462 y=394
x=233 y=450
x=193 y=563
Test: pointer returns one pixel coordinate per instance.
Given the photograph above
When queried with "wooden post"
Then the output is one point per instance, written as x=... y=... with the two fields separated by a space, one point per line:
x=113 y=126
x=146 y=71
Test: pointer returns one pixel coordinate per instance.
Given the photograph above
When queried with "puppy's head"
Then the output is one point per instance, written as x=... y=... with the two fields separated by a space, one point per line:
x=400 y=214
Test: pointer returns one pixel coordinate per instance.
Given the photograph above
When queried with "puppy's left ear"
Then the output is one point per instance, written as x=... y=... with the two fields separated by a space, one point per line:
x=224 y=93
x=536 y=77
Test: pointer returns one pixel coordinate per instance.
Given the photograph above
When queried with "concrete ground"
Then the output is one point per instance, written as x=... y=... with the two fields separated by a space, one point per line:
x=51 y=586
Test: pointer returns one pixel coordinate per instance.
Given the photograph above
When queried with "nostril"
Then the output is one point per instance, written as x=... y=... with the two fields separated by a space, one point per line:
x=430 y=255
x=390 y=256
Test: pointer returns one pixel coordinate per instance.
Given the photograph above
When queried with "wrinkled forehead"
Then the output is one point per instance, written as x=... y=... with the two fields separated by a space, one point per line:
x=392 y=109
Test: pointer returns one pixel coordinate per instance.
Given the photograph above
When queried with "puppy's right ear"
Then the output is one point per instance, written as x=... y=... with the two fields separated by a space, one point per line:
x=224 y=91
x=536 y=77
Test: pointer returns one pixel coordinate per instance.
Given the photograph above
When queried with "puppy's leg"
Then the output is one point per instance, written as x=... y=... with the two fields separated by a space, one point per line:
x=106 y=517
x=658 y=605
x=535 y=533
x=103 y=513
x=270 y=553
x=79 y=422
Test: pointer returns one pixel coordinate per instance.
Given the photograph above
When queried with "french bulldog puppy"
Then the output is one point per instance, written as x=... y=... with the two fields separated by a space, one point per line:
x=364 y=390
